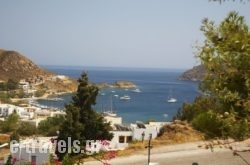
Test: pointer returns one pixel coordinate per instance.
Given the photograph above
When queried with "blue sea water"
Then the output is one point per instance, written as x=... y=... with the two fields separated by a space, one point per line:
x=151 y=103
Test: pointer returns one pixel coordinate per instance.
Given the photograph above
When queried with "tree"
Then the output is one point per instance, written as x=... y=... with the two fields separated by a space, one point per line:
x=15 y=136
x=11 y=123
x=12 y=84
x=82 y=122
x=26 y=129
x=226 y=58
x=50 y=126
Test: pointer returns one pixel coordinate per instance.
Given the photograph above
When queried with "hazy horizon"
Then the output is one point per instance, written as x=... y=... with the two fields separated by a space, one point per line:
x=77 y=67
x=112 y=33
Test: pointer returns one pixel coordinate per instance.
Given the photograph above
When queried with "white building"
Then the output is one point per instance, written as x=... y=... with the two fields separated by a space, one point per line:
x=35 y=150
x=32 y=115
x=24 y=85
x=123 y=135
x=7 y=109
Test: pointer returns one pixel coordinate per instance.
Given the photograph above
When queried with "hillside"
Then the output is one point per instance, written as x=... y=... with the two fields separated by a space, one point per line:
x=14 y=65
x=194 y=74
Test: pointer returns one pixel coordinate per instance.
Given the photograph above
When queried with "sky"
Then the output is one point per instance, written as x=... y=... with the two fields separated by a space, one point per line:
x=110 y=33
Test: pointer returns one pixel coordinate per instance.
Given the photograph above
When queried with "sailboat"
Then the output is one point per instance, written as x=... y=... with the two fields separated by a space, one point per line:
x=171 y=99
x=110 y=112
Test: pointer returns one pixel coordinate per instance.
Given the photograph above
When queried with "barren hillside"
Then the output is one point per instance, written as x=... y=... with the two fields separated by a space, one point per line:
x=13 y=65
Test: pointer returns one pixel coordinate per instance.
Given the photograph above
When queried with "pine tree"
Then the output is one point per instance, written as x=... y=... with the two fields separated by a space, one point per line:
x=82 y=122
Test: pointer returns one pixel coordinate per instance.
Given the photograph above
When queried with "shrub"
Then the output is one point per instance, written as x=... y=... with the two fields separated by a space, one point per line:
x=209 y=123
x=27 y=129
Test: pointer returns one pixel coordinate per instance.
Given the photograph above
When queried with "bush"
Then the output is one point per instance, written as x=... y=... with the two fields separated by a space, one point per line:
x=240 y=129
x=27 y=129
x=39 y=93
x=209 y=123
x=49 y=126
x=15 y=136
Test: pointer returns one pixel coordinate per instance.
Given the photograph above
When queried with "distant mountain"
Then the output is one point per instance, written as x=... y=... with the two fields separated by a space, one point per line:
x=13 y=65
x=194 y=74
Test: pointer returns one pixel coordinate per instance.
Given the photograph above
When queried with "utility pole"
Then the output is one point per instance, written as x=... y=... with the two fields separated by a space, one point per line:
x=149 y=147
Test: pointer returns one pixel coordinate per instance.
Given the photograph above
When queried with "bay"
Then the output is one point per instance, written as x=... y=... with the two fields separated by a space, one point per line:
x=150 y=103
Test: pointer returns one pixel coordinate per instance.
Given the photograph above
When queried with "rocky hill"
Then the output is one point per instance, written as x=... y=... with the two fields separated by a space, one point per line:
x=194 y=74
x=16 y=66
x=13 y=65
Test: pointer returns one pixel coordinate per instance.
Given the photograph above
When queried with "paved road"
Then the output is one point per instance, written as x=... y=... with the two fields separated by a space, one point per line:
x=185 y=154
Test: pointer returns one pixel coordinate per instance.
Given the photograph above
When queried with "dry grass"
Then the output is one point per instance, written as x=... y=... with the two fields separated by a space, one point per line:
x=4 y=138
x=175 y=133
x=178 y=132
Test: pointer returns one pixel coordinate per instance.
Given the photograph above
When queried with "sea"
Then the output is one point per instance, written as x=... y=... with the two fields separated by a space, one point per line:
x=147 y=103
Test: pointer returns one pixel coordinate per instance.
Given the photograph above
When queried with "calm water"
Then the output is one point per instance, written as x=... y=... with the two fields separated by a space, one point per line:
x=150 y=103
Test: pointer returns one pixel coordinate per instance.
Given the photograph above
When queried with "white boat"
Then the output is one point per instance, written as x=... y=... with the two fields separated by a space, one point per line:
x=109 y=112
x=136 y=90
x=172 y=100
x=125 y=97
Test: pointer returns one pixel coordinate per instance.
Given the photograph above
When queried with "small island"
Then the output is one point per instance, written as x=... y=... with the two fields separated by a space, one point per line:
x=119 y=84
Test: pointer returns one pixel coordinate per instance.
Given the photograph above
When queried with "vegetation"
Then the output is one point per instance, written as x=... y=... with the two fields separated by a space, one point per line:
x=39 y=93
x=82 y=122
x=9 y=85
x=224 y=109
x=50 y=126
x=26 y=129
x=17 y=128
x=11 y=123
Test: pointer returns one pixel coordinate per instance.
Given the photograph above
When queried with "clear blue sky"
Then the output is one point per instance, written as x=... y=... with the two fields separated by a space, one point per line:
x=125 y=33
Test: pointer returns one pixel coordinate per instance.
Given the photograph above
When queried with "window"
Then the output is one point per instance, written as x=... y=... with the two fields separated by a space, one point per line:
x=121 y=139
x=129 y=139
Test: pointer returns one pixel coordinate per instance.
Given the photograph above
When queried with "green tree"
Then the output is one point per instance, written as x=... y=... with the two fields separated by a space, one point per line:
x=226 y=58
x=26 y=129
x=82 y=122
x=15 y=136
x=12 y=84
x=50 y=126
x=3 y=86
x=11 y=122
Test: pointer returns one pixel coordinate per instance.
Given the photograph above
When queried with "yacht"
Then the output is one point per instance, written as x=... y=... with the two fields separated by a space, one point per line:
x=172 y=100
x=137 y=90
x=125 y=97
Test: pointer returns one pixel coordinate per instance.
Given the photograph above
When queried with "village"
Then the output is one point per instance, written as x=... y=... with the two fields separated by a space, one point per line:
x=33 y=113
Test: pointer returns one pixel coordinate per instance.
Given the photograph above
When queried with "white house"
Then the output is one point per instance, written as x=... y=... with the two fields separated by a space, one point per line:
x=24 y=85
x=123 y=135
x=7 y=109
x=35 y=150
